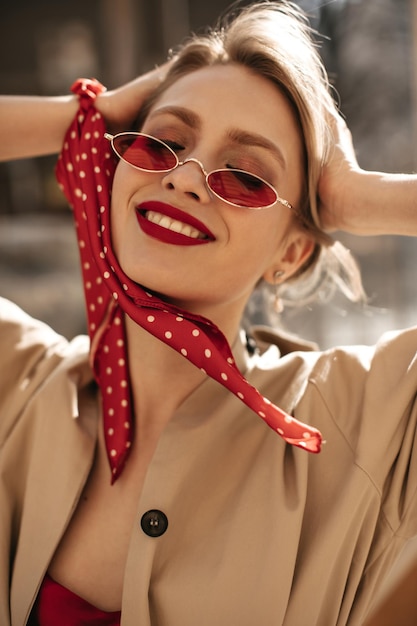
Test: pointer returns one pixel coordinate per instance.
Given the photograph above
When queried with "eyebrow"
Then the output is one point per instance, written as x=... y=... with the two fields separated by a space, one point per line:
x=189 y=118
x=245 y=138
x=236 y=135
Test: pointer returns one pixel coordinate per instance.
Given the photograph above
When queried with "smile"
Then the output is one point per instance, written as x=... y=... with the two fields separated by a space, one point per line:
x=174 y=225
x=170 y=225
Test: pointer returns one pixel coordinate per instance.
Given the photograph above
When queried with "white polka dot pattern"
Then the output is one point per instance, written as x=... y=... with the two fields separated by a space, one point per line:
x=110 y=294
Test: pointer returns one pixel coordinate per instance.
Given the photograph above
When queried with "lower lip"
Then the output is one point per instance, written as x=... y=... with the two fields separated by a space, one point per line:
x=165 y=235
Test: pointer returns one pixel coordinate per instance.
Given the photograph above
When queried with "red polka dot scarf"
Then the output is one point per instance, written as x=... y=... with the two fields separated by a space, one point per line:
x=85 y=171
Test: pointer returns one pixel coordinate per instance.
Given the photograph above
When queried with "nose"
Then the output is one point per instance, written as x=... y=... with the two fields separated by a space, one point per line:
x=189 y=177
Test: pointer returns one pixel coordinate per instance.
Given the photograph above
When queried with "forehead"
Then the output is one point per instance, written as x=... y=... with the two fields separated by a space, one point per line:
x=221 y=97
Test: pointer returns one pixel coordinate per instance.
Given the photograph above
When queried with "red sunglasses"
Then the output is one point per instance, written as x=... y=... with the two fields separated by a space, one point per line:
x=234 y=186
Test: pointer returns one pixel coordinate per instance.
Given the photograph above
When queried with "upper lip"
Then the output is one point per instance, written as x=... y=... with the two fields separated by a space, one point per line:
x=175 y=214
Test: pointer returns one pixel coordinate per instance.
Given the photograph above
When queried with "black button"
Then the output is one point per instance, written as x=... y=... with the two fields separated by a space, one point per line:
x=154 y=523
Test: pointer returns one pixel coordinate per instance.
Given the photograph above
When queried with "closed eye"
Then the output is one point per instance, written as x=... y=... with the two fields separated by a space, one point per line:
x=248 y=180
x=175 y=146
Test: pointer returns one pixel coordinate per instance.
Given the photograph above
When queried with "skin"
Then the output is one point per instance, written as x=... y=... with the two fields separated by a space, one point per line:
x=361 y=202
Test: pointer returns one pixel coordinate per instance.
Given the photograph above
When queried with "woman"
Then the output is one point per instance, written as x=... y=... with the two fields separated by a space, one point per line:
x=206 y=514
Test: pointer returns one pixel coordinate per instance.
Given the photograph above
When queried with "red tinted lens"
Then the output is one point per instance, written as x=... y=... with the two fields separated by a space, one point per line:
x=144 y=152
x=241 y=188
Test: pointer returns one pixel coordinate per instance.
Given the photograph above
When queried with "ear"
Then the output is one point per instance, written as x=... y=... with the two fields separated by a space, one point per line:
x=294 y=252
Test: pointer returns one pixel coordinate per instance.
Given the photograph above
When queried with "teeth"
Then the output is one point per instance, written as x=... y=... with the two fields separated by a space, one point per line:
x=174 y=225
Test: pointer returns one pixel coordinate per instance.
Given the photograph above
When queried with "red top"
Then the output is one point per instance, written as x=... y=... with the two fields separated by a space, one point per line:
x=58 y=606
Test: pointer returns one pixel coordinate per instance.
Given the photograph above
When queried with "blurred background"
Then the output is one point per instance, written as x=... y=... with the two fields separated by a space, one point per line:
x=369 y=49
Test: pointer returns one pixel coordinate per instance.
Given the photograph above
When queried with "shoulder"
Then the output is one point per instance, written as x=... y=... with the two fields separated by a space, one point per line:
x=393 y=359
x=357 y=390
x=17 y=327
x=30 y=352
x=369 y=381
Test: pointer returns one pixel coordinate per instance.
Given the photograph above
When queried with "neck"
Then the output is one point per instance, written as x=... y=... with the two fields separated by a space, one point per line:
x=161 y=379
x=154 y=366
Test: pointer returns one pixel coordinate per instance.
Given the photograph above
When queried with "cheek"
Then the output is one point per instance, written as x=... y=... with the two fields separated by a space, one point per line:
x=121 y=183
x=257 y=243
x=119 y=206
x=114 y=229
x=262 y=234
x=115 y=218
x=125 y=184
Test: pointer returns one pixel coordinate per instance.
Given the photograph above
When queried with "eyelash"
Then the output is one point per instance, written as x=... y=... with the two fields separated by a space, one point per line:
x=174 y=145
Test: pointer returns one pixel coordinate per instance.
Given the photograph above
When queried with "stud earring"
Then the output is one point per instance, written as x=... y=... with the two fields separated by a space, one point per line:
x=277 y=303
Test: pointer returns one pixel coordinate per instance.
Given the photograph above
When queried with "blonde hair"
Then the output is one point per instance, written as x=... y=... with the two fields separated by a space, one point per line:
x=274 y=40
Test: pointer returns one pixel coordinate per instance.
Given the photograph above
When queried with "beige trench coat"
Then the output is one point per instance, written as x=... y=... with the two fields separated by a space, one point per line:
x=259 y=532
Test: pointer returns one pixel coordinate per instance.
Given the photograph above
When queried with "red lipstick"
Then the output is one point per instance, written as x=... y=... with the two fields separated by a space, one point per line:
x=165 y=234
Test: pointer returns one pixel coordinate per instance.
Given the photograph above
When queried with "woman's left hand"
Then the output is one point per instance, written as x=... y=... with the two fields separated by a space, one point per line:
x=338 y=177
x=361 y=202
